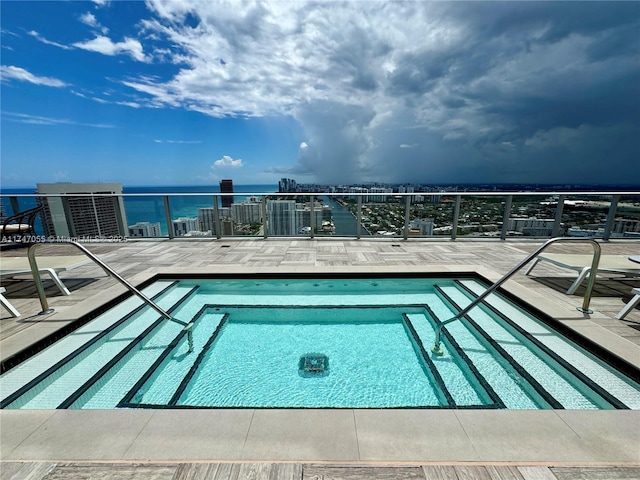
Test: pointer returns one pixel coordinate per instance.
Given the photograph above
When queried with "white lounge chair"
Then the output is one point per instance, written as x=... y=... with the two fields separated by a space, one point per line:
x=12 y=266
x=7 y=304
x=630 y=304
x=619 y=264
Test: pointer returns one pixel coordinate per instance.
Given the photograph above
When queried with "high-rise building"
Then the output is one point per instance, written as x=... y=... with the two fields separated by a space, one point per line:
x=226 y=186
x=287 y=185
x=281 y=217
x=206 y=220
x=144 y=229
x=380 y=198
x=355 y=190
x=98 y=213
x=246 y=212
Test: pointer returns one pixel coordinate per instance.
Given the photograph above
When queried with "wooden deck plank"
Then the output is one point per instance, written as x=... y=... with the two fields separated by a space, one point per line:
x=472 y=472
x=286 y=471
x=440 y=472
x=25 y=470
x=118 y=471
x=321 y=472
x=504 y=472
x=255 y=471
x=536 y=473
x=596 y=473
x=195 y=471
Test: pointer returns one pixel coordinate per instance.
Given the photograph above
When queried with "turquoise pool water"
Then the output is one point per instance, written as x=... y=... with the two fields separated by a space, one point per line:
x=316 y=343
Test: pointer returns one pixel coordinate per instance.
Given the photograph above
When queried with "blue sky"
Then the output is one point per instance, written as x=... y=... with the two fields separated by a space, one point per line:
x=189 y=92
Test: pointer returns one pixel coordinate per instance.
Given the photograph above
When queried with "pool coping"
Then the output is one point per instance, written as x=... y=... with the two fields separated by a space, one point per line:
x=346 y=435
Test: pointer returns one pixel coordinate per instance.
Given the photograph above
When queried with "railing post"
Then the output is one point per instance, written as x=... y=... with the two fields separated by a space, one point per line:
x=505 y=216
x=167 y=216
x=15 y=206
x=558 y=217
x=216 y=217
x=264 y=216
x=456 y=215
x=95 y=214
x=407 y=211
x=359 y=217
x=608 y=226
x=312 y=216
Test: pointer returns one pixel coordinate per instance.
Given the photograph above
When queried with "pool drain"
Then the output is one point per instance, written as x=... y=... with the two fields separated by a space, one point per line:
x=313 y=365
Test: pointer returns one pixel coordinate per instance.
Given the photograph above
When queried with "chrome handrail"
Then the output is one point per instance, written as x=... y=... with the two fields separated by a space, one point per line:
x=110 y=271
x=585 y=302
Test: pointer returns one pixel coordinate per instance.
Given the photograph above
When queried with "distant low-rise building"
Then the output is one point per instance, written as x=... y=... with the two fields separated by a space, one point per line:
x=421 y=227
x=181 y=226
x=145 y=229
x=535 y=227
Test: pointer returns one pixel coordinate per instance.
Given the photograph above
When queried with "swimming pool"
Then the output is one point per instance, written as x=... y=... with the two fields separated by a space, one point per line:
x=316 y=343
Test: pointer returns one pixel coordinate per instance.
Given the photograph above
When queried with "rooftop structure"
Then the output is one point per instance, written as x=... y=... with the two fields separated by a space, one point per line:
x=100 y=215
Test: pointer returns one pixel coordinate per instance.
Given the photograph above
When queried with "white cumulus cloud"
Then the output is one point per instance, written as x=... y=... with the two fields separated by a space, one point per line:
x=227 y=161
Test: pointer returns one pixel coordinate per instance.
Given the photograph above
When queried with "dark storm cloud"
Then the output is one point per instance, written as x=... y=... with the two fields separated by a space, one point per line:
x=485 y=91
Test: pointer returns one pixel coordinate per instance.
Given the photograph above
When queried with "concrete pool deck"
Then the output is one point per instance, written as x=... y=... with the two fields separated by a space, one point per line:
x=345 y=437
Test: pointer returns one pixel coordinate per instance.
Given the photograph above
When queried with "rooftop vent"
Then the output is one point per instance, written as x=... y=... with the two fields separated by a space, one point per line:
x=313 y=365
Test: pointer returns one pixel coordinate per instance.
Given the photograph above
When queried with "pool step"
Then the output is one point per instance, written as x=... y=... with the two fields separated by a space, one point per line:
x=106 y=392
x=85 y=365
x=43 y=363
x=175 y=365
x=497 y=372
x=534 y=365
x=455 y=375
x=588 y=369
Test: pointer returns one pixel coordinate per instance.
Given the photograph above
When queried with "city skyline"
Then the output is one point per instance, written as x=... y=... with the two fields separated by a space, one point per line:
x=190 y=93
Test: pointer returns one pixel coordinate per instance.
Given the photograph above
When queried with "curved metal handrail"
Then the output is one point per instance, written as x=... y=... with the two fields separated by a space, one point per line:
x=585 y=302
x=31 y=254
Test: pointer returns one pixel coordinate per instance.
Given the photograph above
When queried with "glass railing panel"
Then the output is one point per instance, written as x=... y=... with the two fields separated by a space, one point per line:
x=531 y=216
x=383 y=215
x=585 y=215
x=626 y=223
x=13 y=204
x=245 y=217
x=289 y=215
x=145 y=216
x=194 y=216
x=430 y=215
x=326 y=210
x=337 y=216
x=480 y=216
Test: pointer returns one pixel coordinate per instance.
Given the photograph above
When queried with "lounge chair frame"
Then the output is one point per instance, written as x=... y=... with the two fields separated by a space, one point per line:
x=7 y=304
x=20 y=225
x=615 y=264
